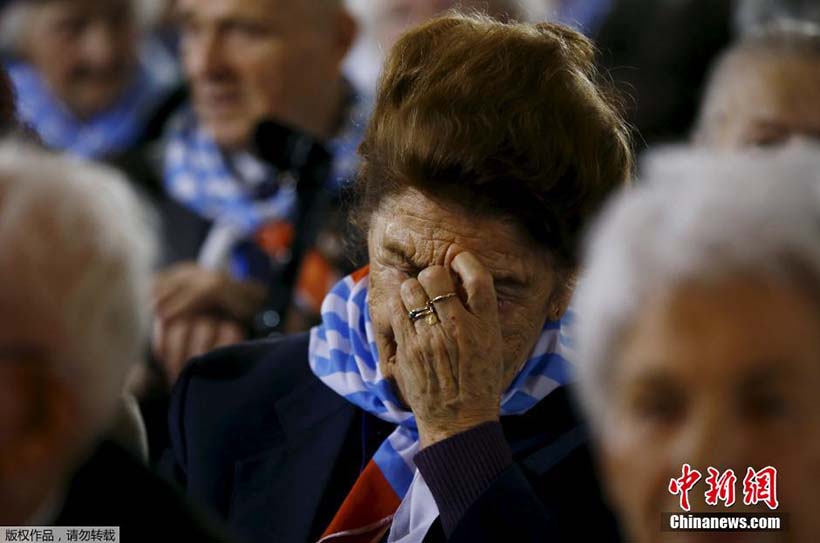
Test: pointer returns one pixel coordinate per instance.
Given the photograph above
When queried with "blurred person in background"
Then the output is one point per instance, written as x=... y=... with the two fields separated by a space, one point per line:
x=753 y=15
x=392 y=18
x=84 y=80
x=697 y=339
x=586 y=16
x=76 y=256
x=383 y=21
x=239 y=259
x=764 y=90
x=161 y=15
x=430 y=403
x=231 y=217
x=658 y=52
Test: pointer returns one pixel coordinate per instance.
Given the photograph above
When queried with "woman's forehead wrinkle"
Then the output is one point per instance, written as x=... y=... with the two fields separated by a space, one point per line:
x=429 y=244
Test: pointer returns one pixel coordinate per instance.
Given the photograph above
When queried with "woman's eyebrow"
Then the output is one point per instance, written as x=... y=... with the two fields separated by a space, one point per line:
x=396 y=249
x=513 y=276
x=508 y=281
x=401 y=250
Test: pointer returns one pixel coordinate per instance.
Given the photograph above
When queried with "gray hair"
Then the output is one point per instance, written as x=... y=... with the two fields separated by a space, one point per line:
x=76 y=240
x=760 y=16
x=695 y=217
x=779 y=42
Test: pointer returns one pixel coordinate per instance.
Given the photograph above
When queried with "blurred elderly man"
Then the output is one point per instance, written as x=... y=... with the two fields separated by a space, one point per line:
x=82 y=82
x=764 y=91
x=698 y=342
x=76 y=252
x=247 y=61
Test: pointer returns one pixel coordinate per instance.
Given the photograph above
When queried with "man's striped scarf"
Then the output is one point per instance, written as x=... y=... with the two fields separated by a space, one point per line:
x=344 y=356
x=219 y=187
x=238 y=192
x=110 y=132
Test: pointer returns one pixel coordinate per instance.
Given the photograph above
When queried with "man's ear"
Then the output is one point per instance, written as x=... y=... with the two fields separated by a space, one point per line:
x=347 y=30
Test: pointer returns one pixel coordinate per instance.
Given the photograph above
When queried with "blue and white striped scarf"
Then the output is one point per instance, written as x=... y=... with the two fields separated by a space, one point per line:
x=344 y=356
x=225 y=188
x=108 y=133
x=199 y=176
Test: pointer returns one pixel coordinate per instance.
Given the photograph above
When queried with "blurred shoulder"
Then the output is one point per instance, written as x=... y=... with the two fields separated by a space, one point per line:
x=229 y=398
x=273 y=365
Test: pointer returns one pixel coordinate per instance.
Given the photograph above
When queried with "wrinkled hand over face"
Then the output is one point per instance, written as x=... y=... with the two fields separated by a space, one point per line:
x=452 y=372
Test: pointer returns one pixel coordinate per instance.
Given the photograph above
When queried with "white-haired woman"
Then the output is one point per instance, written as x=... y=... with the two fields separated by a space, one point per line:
x=76 y=258
x=764 y=91
x=699 y=341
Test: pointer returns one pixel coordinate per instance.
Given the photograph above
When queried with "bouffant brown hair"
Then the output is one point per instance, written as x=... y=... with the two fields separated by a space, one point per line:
x=502 y=117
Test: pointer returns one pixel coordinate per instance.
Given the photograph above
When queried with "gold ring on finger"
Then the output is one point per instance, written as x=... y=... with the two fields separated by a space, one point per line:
x=420 y=313
x=441 y=298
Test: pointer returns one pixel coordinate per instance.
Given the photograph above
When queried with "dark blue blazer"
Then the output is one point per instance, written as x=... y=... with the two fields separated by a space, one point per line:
x=264 y=444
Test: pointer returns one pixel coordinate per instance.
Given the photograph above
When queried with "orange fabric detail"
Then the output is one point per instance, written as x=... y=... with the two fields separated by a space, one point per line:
x=316 y=278
x=360 y=274
x=275 y=238
x=370 y=503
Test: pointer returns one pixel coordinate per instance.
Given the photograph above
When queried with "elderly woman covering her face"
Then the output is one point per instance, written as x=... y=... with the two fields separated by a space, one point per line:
x=708 y=352
x=489 y=147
